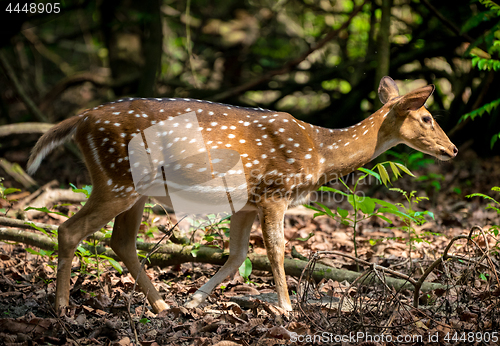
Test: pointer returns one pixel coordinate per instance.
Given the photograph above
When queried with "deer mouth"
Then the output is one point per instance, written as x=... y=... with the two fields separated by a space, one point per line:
x=446 y=154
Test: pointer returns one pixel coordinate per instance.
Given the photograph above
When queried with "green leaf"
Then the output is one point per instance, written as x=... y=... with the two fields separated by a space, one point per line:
x=195 y=249
x=246 y=269
x=385 y=203
x=404 y=169
x=397 y=213
x=383 y=218
x=86 y=190
x=483 y=196
x=421 y=213
x=45 y=210
x=307 y=238
x=326 y=209
x=342 y=212
x=208 y=238
x=330 y=189
x=494 y=140
x=41 y=252
x=113 y=263
x=39 y=229
x=370 y=172
x=365 y=204
x=312 y=207
x=383 y=174
x=480 y=111
x=395 y=170
x=225 y=218
x=321 y=213
x=10 y=190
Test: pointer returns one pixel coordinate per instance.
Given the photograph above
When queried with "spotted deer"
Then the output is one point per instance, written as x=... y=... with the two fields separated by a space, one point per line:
x=282 y=158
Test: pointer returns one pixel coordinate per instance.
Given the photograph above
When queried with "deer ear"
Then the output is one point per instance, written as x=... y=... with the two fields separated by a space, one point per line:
x=416 y=99
x=387 y=89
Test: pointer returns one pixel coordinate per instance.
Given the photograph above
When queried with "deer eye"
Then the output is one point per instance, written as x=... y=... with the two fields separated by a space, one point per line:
x=427 y=119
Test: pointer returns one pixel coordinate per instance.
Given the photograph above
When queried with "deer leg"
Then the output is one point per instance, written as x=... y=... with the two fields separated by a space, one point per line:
x=241 y=224
x=123 y=244
x=94 y=215
x=271 y=218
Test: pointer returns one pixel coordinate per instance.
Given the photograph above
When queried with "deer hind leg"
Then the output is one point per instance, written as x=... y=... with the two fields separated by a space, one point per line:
x=94 y=215
x=241 y=224
x=271 y=218
x=123 y=244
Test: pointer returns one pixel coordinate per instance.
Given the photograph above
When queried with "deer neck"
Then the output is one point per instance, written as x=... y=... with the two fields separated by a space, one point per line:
x=344 y=150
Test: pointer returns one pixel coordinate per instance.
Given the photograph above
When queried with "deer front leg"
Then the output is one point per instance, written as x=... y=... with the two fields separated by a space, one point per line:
x=239 y=230
x=271 y=216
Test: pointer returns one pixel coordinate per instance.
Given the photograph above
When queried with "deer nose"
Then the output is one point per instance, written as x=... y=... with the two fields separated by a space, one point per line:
x=451 y=152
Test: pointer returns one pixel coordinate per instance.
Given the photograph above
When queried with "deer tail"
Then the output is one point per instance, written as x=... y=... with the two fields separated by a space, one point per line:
x=51 y=139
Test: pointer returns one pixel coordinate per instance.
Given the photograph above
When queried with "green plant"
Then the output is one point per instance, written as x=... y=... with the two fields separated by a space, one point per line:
x=144 y=320
x=40 y=252
x=367 y=206
x=213 y=226
x=363 y=205
x=86 y=189
x=4 y=192
x=485 y=60
x=410 y=216
x=88 y=259
x=246 y=269
x=495 y=205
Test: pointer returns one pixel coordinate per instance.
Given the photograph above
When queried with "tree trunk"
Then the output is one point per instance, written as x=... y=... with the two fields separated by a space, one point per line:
x=383 y=48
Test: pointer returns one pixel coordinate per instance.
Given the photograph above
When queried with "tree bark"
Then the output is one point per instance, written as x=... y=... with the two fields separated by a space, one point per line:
x=383 y=48
x=152 y=47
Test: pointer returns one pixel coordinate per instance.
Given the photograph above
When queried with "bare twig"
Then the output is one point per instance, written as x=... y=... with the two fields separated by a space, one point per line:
x=372 y=265
x=445 y=257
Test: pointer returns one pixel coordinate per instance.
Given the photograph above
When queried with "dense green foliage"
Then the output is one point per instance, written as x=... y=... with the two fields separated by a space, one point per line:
x=256 y=53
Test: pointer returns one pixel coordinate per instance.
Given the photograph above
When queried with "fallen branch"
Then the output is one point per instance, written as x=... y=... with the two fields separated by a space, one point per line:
x=52 y=196
x=174 y=254
x=22 y=128
x=17 y=173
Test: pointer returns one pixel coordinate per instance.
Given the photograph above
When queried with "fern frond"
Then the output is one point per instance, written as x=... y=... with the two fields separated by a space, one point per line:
x=494 y=139
x=480 y=111
x=491 y=4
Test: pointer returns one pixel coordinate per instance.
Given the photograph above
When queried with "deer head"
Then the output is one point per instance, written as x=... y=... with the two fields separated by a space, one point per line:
x=414 y=124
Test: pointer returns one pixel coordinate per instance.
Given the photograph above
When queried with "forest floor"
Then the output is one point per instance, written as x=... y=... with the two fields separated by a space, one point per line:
x=464 y=311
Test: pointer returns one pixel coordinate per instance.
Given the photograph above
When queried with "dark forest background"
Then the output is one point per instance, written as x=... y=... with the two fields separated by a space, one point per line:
x=320 y=60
